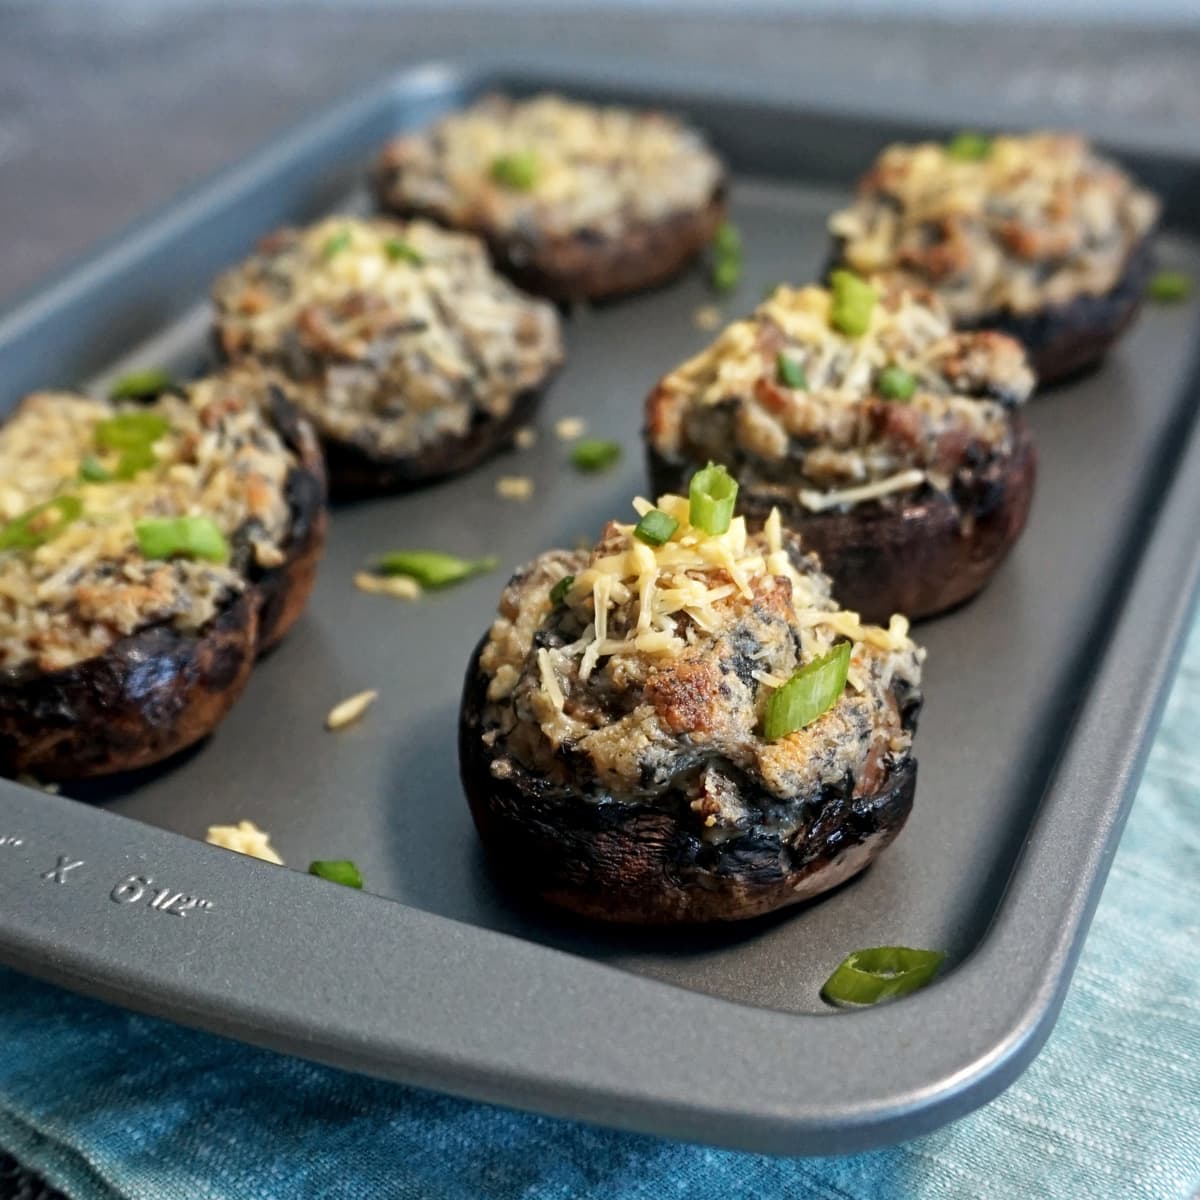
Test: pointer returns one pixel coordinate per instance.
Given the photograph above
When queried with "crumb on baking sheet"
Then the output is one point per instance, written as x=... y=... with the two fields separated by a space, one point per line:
x=570 y=428
x=707 y=317
x=401 y=587
x=244 y=838
x=514 y=487
x=27 y=780
x=350 y=709
x=526 y=438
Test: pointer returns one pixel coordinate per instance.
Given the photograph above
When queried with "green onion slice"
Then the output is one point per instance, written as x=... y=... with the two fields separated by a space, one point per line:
x=969 y=146
x=727 y=241
x=517 y=171
x=726 y=257
x=40 y=524
x=595 y=454
x=1169 y=287
x=853 y=303
x=711 y=496
x=131 y=430
x=336 y=243
x=558 y=593
x=398 y=250
x=869 y=976
x=337 y=870
x=791 y=373
x=92 y=470
x=814 y=689
x=895 y=383
x=655 y=528
x=432 y=568
x=181 y=537
x=141 y=385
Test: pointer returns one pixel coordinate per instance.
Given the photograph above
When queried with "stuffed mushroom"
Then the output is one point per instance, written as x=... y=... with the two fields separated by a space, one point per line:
x=148 y=553
x=575 y=201
x=890 y=442
x=411 y=357
x=1036 y=236
x=681 y=725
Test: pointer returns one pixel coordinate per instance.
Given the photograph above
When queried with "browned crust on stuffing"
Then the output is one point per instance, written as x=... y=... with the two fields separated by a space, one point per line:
x=920 y=556
x=579 y=267
x=359 y=469
x=149 y=696
x=640 y=864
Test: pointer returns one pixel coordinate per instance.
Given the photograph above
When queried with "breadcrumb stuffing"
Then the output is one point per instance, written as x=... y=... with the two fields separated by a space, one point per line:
x=514 y=487
x=244 y=838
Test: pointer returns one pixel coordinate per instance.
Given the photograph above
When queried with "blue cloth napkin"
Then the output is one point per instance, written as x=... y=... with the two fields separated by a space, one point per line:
x=108 y=1105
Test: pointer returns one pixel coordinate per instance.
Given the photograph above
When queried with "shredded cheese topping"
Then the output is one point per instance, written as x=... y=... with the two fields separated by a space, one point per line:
x=1037 y=221
x=836 y=439
x=652 y=655
x=602 y=169
x=394 y=334
x=72 y=597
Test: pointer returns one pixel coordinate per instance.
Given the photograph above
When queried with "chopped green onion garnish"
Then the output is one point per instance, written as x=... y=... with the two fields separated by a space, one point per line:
x=141 y=385
x=337 y=870
x=131 y=430
x=517 y=171
x=595 y=454
x=969 y=146
x=895 y=383
x=337 y=243
x=814 y=689
x=398 y=250
x=92 y=470
x=133 y=460
x=726 y=257
x=40 y=524
x=853 y=303
x=711 y=496
x=432 y=568
x=868 y=976
x=726 y=273
x=181 y=537
x=727 y=240
x=558 y=593
x=791 y=373
x=1169 y=287
x=655 y=528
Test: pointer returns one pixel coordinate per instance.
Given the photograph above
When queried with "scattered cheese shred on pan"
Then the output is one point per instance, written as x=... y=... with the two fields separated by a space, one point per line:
x=707 y=316
x=350 y=709
x=399 y=586
x=570 y=428
x=244 y=838
x=514 y=487
x=525 y=439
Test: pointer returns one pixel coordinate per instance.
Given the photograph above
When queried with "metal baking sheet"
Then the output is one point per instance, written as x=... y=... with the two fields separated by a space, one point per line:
x=1041 y=699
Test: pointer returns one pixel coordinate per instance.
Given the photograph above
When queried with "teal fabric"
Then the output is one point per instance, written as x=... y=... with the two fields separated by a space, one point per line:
x=109 y=1105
